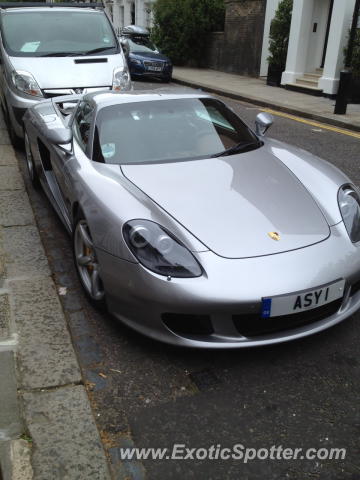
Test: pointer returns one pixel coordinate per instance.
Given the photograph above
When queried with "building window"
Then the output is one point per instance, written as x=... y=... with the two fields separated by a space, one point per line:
x=133 y=14
x=122 y=17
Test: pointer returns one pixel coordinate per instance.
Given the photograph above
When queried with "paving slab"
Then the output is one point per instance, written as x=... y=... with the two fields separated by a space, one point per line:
x=15 y=208
x=4 y=317
x=10 y=422
x=5 y=460
x=2 y=259
x=21 y=456
x=46 y=354
x=10 y=178
x=68 y=450
x=24 y=252
x=7 y=154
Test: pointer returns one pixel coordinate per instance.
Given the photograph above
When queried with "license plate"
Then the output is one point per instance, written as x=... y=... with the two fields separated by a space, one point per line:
x=154 y=69
x=302 y=301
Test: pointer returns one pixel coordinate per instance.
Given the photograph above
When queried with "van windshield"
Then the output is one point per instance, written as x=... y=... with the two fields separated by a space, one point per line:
x=57 y=33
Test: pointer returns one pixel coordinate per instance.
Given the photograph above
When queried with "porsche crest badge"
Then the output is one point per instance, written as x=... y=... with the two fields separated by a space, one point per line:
x=274 y=235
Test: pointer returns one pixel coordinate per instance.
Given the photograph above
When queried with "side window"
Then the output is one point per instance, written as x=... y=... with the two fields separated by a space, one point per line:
x=82 y=123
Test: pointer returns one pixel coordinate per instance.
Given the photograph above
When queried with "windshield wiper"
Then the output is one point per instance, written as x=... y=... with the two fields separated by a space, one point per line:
x=61 y=54
x=78 y=54
x=98 y=50
x=240 y=147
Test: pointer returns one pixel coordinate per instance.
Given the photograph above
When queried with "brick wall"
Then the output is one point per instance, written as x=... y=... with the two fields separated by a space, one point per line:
x=238 y=48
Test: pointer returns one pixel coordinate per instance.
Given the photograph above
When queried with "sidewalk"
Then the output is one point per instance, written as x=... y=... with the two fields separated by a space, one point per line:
x=255 y=90
x=47 y=429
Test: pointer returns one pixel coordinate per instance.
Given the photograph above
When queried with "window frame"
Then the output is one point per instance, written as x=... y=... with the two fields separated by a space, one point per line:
x=86 y=148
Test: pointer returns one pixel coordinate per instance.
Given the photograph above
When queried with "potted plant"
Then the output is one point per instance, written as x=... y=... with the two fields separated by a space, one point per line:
x=355 y=67
x=279 y=40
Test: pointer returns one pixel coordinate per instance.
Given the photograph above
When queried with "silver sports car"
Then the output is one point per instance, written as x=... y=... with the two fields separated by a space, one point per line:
x=190 y=227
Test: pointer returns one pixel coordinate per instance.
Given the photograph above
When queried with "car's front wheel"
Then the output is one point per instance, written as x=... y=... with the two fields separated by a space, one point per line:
x=87 y=264
x=30 y=162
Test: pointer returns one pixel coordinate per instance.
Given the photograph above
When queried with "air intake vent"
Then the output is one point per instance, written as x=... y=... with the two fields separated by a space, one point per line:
x=188 y=324
x=91 y=60
x=253 y=325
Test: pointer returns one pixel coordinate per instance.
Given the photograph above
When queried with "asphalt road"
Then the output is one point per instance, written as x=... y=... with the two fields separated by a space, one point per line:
x=303 y=394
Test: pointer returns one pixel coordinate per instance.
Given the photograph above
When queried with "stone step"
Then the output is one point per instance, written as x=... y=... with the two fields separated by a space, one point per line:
x=312 y=76
x=296 y=87
x=307 y=82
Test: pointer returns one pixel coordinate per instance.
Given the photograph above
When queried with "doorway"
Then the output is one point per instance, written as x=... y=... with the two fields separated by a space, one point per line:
x=327 y=33
x=319 y=33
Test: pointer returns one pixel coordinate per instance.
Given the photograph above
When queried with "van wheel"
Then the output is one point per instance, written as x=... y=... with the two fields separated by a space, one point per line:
x=16 y=141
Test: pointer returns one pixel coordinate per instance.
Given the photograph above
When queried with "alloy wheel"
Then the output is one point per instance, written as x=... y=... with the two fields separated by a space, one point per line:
x=86 y=262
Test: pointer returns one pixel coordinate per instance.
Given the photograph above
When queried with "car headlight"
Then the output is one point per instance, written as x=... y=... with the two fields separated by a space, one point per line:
x=135 y=61
x=349 y=204
x=159 y=251
x=121 y=79
x=26 y=83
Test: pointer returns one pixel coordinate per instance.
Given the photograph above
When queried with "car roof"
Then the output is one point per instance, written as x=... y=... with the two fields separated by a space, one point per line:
x=106 y=98
x=135 y=30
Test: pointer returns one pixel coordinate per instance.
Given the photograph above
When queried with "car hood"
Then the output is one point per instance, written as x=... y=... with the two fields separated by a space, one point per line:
x=233 y=204
x=63 y=72
x=152 y=56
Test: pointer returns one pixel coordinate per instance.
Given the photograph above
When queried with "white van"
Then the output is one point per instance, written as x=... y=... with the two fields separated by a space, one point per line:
x=53 y=50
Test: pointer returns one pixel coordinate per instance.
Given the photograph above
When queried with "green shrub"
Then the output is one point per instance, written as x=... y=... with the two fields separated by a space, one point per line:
x=181 y=27
x=279 y=34
x=355 y=62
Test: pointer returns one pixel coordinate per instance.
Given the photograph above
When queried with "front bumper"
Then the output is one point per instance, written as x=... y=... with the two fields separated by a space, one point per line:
x=229 y=294
x=17 y=106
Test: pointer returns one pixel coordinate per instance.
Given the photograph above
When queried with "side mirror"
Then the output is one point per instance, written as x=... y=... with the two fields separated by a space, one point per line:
x=58 y=136
x=263 y=122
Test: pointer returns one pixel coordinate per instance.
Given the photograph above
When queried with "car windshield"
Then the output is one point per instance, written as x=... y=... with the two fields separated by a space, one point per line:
x=169 y=130
x=42 y=33
x=141 y=45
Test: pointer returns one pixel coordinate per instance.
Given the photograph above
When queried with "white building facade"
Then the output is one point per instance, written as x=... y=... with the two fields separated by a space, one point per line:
x=318 y=35
x=129 y=12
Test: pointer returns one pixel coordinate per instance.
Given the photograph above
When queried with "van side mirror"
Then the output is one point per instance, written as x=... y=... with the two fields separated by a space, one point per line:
x=263 y=122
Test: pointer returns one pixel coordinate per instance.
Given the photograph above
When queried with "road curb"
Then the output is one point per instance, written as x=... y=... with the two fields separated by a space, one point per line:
x=266 y=104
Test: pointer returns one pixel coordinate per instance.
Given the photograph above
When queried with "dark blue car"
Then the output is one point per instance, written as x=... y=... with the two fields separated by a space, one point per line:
x=143 y=57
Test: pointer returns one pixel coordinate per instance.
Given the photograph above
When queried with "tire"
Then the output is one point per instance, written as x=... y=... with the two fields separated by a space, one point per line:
x=30 y=163
x=16 y=141
x=86 y=264
x=167 y=79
